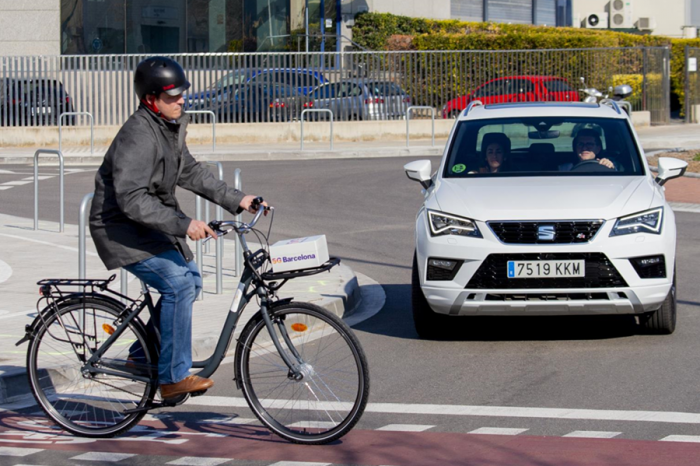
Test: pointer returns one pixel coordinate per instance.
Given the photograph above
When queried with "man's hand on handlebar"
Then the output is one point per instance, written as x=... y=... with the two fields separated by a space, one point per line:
x=199 y=230
x=251 y=204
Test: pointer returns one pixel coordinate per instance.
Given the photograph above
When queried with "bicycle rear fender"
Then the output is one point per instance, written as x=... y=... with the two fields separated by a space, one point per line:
x=30 y=329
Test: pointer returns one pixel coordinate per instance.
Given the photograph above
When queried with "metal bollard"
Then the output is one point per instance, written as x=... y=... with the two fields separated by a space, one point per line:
x=239 y=248
x=408 y=120
x=82 y=221
x=198 y=244
x=92 y=129
x=36 y=185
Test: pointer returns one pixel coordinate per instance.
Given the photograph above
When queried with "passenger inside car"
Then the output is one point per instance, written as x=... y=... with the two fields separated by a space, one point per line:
x=495 y=152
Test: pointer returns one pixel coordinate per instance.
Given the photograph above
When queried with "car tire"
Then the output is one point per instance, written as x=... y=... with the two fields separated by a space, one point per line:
x=426 y=321
x=663 y=320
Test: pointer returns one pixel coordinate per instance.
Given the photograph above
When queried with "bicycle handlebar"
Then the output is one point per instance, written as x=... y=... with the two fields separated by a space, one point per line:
x=240 y=228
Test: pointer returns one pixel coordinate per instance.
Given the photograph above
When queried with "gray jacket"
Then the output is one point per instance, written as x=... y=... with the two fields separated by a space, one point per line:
x=135 y=214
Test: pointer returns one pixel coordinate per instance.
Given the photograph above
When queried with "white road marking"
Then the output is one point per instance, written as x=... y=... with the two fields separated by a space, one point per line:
x=14 y=451
x=406 y=428
x=682 y=438
x=592 y=434
x=6 y=172
x=3 y=188
x=195 y=461
x=68 y=248
x=298 y=463
x=40 y=177
x=498 y=431
x=234 y=420
x=103 y=456
x=684 y=207
x=314 y=425
x=491 y=411
x=17 y=183
x=5 y=271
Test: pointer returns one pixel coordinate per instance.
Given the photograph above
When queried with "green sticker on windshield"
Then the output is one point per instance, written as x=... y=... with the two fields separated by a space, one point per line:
x=459 y=168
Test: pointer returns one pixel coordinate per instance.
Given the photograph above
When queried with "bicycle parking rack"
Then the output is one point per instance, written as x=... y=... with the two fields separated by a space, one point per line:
x=314 y=110
x=36 y=185
x=92 y=129
x=82 y=224
x=408 y=120
x=213 y=124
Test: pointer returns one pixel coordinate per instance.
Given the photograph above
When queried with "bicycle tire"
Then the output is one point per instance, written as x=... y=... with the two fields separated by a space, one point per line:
x=89 y=405
x=320 y=410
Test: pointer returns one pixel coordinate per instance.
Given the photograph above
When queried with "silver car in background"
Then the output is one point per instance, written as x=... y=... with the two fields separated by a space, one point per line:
x=360 y=100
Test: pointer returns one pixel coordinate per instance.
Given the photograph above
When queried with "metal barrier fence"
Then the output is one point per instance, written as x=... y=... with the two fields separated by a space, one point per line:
x=249 y=87
x=692 y=85
x=60 y=185
x=313 y=110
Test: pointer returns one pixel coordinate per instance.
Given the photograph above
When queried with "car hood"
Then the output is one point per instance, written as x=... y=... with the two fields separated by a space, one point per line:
x=550 y=198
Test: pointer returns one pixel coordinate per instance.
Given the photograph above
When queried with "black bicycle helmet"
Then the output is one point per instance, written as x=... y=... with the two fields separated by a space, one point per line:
x=159 y=74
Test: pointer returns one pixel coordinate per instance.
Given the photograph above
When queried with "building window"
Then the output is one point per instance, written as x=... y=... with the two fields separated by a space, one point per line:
x=467 y=10
x=546 y=12
x=510 y=11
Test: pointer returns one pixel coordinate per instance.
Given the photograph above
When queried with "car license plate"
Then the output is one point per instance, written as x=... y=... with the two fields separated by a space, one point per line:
x=546 y=269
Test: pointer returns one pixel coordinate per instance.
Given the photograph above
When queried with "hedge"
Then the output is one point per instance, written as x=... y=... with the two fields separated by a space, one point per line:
x=384 y=31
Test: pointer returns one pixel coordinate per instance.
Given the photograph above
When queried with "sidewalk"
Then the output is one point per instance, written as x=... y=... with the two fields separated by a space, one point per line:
x=28 y=256
x=652 y=138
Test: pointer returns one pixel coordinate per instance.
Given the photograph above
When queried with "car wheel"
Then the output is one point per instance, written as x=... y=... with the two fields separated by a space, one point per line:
x=663 y=320
x=426 y=321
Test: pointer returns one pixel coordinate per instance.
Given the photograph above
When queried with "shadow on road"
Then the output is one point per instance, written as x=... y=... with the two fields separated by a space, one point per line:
x=395 y=320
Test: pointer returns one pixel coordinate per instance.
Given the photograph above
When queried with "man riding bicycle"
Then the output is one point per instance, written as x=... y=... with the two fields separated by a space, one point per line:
x=136 y=221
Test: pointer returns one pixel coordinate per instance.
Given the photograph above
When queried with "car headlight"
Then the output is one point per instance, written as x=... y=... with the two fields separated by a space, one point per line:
x=446 y=224
x=648 y=221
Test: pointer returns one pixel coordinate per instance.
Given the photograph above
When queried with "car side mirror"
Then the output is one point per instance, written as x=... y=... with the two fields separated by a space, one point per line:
x=670 y=168
x=419 y=171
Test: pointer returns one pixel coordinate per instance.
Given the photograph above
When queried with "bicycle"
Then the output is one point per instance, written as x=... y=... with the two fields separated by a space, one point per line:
x=92 y=364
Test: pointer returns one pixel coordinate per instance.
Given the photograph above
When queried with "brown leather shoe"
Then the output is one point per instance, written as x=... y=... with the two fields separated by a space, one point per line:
x=187 y=385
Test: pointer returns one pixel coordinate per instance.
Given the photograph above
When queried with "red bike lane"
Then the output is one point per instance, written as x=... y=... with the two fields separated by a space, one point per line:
x=359 y=447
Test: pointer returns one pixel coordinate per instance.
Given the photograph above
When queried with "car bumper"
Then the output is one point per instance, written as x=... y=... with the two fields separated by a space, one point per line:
x=635 y=295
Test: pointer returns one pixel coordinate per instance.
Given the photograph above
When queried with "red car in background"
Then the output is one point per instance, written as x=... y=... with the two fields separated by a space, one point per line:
x=515 y=89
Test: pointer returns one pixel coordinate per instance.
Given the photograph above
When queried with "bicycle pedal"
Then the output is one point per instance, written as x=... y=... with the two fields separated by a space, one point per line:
x=174 y=401
x=199 y=393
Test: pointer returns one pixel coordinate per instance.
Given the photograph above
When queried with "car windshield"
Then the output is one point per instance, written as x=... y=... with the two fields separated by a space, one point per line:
x=543 y=146
x=384 y=88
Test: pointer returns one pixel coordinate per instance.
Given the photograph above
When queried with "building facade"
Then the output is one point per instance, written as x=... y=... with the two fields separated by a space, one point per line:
x=80 y=27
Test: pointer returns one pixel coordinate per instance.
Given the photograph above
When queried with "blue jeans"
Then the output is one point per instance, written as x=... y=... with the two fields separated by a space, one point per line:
x=178 y=283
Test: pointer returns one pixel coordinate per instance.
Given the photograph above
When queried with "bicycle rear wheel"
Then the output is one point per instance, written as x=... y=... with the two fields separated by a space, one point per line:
x=330 y=398
x=84 y=403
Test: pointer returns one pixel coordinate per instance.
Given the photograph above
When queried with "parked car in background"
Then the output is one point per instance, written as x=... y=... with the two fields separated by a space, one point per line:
x=34 y=102
x=360 y=100
x=515 y=89
x=303 y=80
x=261 y=103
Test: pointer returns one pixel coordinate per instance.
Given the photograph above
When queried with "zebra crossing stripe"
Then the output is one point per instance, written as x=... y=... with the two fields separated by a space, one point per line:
x=498 y=431
x=592 y=434
x=406 y=428
x=197 y=461
x=14 y=451
x=682 y=438
x=103 y=456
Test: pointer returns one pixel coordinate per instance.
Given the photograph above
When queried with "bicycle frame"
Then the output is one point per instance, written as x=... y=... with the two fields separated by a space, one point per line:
x=241 y=298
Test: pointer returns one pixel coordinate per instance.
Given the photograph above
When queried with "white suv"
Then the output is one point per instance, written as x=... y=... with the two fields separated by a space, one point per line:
x=544 y=209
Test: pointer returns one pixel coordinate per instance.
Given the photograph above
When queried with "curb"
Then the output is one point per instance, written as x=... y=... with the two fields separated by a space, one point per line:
x=315 y=154
x=345 y=301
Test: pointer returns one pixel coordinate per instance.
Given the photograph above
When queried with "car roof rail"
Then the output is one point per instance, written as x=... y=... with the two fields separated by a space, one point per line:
x=473 y=103
x=611 y=103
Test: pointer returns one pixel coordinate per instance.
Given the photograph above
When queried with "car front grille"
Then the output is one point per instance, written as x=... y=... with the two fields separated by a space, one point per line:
x=493 y=273
x=513 y=232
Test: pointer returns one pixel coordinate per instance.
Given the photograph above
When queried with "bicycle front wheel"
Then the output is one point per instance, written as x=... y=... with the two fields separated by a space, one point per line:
x=90 y=404
x=332 y=394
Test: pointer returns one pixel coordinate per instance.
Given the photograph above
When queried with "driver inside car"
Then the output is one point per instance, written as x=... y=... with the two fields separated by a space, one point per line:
x=587 y=146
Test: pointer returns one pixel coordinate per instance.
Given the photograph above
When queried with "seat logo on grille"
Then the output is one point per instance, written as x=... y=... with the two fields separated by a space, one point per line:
x=545 y=232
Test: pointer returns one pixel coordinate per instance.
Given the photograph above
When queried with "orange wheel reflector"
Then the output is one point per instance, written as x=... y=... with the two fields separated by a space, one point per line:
x=299 y=327
x=108 y=329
